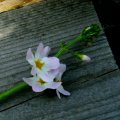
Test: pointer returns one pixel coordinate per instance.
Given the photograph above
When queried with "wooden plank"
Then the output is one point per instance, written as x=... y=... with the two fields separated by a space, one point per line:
x=98 y=101
x=76 y=72
x=6 y=5
x=50 y=22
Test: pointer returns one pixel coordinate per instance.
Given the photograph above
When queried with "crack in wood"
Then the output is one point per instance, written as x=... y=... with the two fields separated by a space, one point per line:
x=39 y=94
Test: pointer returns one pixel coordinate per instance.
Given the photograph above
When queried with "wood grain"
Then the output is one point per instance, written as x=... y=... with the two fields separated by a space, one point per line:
x=6 y=5
x=98 y=101
x=51 y=22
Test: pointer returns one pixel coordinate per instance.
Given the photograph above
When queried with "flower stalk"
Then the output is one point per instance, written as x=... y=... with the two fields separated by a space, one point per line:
x=12 y=91
x=86 y=35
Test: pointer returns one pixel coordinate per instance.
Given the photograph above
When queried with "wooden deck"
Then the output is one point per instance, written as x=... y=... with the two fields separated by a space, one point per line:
x=94 y=86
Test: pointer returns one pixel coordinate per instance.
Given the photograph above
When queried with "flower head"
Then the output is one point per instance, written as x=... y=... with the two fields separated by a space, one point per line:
x=39 y=85
x=47 y=71
x=45 y=67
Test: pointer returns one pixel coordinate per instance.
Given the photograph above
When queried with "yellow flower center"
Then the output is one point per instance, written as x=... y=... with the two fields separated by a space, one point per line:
x=39 y=64
x=41 y=81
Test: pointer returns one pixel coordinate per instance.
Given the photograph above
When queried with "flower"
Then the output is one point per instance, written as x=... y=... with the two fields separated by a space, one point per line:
x=46 y=71
x=45 y=67
x=58 y=77
x=39 y=85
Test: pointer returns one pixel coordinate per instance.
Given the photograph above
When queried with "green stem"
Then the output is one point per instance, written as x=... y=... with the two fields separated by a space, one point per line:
x=19 y=87
x=70 y=44
x=87 y=34
x=22 y=85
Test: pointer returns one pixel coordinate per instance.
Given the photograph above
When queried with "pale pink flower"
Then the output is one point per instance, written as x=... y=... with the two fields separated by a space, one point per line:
x=39 y=85
x=45 y=67
x=46 y=71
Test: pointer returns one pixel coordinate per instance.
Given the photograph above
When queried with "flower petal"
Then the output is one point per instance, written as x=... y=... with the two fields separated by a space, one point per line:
x=58 y=94
x=63 y=91
x=38 y=88
x=46 y=51
x=43 y=75
x=39 y=51
x=47 y=76
x=62 y=69
x=33 y=71
x=52 y=85
x=33 y=82
x=53 y=73
x=29 y=81
x=30 y=56
x=51 y=63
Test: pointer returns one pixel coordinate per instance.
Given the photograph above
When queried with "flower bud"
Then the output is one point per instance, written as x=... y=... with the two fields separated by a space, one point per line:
x=84 y=57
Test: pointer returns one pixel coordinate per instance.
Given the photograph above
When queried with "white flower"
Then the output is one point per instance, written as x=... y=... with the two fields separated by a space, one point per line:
x=46 y=71
x=39 y=85
x=60 y=89
x=45 y=67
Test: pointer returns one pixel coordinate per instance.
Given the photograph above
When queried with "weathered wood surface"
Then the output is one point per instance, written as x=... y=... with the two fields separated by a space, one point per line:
x=94 y=86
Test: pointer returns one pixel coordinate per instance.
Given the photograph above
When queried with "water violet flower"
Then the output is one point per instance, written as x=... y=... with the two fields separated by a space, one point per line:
x=38 y=62
x=42 y=65
x=39 y=85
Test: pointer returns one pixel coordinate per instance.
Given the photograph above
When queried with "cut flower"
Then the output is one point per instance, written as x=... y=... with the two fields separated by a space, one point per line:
x=42 y=65
x=39 y=85
x=46 y=71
